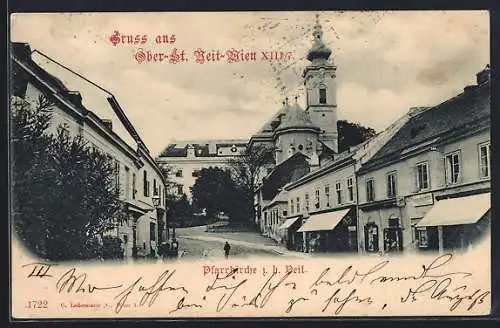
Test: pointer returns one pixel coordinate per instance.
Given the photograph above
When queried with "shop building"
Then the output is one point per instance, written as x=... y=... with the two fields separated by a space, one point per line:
x=322 y=205
x=429 y=187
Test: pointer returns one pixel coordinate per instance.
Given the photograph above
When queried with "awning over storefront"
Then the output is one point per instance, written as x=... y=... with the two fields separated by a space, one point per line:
x=323 y=221
x=461 y=210
x=288 y=223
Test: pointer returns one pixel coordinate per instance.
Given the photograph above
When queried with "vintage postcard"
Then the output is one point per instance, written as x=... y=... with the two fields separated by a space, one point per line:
x=250 y=164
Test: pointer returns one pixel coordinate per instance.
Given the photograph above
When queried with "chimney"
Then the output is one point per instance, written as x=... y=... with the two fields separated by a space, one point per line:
x=108 y=123
x=483 y=76
x=75 y=97
x=21 y=50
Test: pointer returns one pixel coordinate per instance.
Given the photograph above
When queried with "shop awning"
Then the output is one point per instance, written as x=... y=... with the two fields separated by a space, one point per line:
x=288 y=223
x=323 y=221
x=454 y=211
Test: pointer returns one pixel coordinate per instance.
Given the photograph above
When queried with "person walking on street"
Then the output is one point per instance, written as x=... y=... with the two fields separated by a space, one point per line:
x=227 y=247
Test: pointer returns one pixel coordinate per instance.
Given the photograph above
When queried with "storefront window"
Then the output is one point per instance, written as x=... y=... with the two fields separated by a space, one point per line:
x=422 y=237
x=393 y=236
x=371 y=237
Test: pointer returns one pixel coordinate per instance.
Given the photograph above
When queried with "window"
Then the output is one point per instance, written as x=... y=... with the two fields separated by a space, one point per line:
x=146 y=184
x=391 y=185
x=298 y=205
x=152 y=231
x=338 y=191
x=117 y=175
x=291 y=207
x=422 y=176
x=307 y=201
x=484 y=160
x=134 y=189
x=327 y=195
x=316 y=198
x=452 y=167
x=178 y=173
x=285 y=213
x=195 y=173
x=393 y=236
x=370 y=190
x=350 y=189
x=322 y=96
x=371 y=237
x=180 y=189
x=155 y=188
x=423 y=238
x=127 y=182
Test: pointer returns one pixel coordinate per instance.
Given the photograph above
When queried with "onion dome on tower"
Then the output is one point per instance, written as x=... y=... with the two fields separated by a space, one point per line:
x=318 y=50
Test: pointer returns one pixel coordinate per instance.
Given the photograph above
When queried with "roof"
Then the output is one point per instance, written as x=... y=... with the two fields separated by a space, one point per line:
x=296 y=117
x=202 y=148
x=318 y=49
x=22 y=52
x=269 y=127
x=453 y=116
x=281 y=197
x=22 y=55
x=289 y=170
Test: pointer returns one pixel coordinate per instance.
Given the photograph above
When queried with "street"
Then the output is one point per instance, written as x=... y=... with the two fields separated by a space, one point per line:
x=194 y=242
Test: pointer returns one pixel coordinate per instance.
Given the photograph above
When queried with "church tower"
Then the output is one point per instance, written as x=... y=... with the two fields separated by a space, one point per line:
x=321 y=89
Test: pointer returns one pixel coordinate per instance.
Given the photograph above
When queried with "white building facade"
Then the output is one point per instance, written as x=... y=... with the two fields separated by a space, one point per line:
x=139 y=178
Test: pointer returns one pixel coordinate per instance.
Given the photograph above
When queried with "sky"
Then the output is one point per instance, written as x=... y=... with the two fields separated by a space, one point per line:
x=386 y=63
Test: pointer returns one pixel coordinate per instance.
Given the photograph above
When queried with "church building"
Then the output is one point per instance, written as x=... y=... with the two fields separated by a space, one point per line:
x=313 y=130
x=302 y=139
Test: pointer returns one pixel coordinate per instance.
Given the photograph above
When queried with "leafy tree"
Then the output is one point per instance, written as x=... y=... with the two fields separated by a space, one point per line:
x=64 y=193
x=213 y=191
x=247 y=170
x=352 y=134
x=179 y=209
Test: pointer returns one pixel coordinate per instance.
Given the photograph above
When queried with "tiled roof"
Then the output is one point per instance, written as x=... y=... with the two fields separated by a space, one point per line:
x=451 y=116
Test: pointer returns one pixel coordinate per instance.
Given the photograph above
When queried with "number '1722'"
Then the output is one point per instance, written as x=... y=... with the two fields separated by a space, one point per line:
x=40 y=304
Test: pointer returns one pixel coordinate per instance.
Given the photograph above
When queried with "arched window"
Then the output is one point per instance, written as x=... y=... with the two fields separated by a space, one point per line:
x=371 y=237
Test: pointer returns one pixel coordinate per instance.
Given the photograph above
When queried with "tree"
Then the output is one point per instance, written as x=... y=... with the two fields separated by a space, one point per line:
x=179 y=209
x=213 y=190
x=247 y=170
x=64 y=193
x=352 y=134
